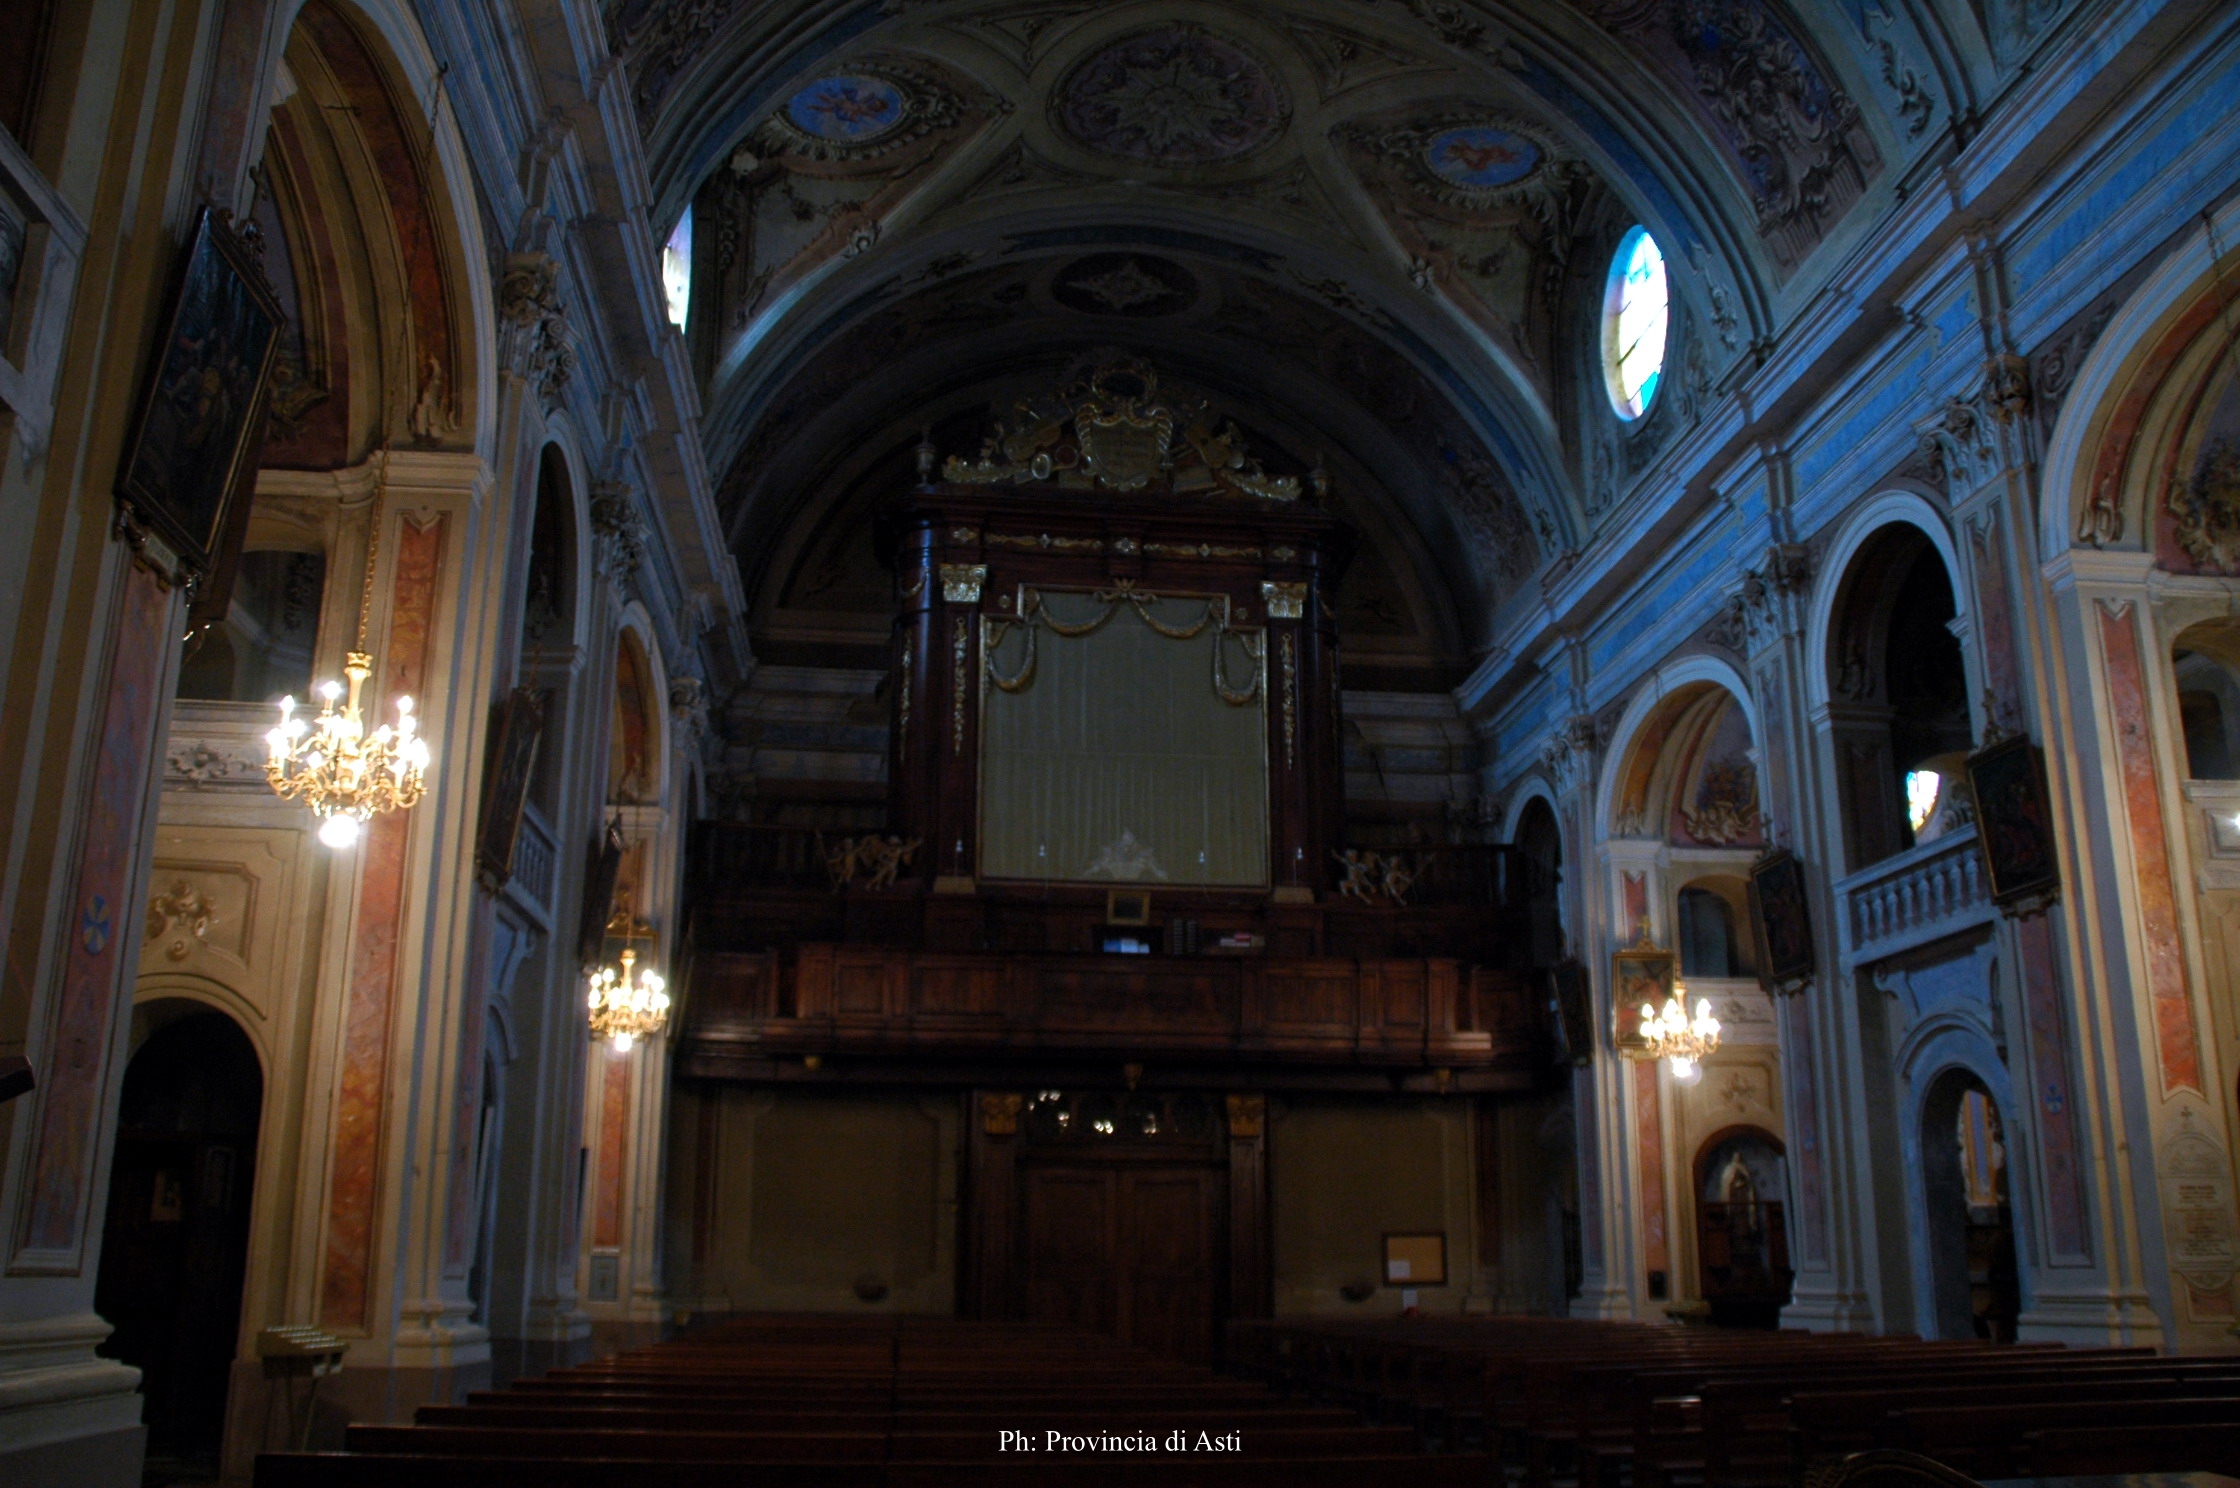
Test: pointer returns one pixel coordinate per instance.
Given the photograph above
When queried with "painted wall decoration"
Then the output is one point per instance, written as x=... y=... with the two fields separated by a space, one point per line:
x=73 y=1056
x=1174 y=96
x=346 y=1290
x=2177 y=1039
x=1479 y=157
x=1790 y=132
x=851 y=107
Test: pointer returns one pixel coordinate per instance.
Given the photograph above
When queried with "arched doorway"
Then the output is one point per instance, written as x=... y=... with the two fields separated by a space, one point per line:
x=1977 y=1286
x=176 y=1240
x=1742 y=1233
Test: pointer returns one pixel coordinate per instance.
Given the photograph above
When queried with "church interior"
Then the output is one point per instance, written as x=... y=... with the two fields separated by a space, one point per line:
x=1482 y=741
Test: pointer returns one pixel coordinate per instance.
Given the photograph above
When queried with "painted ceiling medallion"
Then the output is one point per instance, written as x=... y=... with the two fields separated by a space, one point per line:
x=872 y=109
x=853 y=108
x=1479 y=157
x=1172 y=96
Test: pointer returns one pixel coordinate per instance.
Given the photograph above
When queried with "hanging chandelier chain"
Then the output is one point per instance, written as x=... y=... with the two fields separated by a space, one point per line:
x=373 y=547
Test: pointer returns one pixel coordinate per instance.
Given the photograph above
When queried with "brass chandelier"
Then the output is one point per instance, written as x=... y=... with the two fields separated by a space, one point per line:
x=1675 y=1037
x=627 y=1004
x=331 y=763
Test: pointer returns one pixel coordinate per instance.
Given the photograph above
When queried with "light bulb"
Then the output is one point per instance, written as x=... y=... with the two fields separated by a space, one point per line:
x=622 y=1043
x=1683 y=1068
x=339 y=832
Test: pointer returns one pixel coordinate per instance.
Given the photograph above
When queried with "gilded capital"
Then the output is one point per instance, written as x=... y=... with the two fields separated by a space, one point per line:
x=961 y=582
x=1285 y=599
x=999 y=1112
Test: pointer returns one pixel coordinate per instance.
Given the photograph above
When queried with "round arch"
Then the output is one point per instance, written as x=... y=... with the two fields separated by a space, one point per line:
x=2109 y=378
x=636 y=630
x=1659 y=690
x=1888 y=509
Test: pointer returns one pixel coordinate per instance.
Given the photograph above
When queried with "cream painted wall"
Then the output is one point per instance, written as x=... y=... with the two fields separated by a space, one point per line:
x=815 y=1193
x=1342 y=1174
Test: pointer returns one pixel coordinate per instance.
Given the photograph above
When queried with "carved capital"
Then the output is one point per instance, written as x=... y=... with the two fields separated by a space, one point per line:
x=618 y=534
x=1284 y=600
x=1248 y=1117
x=532 y=326
x=1568 y=756
x=999 y=1112
x=961 y=582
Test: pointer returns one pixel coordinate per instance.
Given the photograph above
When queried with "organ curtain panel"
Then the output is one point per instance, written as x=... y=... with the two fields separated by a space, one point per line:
x=1123 y=739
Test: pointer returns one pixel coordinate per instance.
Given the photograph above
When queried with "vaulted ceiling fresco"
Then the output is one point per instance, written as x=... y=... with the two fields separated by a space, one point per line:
x=1374 y=232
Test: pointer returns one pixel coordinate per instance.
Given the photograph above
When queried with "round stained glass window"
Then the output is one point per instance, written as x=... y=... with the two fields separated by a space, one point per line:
x=1636 y=311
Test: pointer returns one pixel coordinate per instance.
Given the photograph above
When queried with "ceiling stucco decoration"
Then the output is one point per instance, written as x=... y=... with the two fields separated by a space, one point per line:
x=815 y=179
x=1795 y=135
x=1171 y=96
x=1489 y=204
x=1108 y=428
x=1346 y=59
x=1132 y=285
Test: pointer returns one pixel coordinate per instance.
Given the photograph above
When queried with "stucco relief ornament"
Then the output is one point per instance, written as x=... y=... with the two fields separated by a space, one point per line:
x=1111 y=429
x=2207 y=508
x=533 y=329
x=1568 y=756
x=618 y=535
x=1174 y=96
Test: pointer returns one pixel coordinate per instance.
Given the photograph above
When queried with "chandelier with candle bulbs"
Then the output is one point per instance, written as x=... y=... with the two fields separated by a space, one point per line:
x=1675 y=1037
x=346 y=773
x=627 y=1004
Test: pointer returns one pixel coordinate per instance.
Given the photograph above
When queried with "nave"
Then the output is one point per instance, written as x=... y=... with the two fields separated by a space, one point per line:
x=897 y=1402
x=1424 y=1402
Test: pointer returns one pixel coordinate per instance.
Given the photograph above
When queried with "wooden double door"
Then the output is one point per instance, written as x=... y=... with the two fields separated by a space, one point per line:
x=1133 y=1248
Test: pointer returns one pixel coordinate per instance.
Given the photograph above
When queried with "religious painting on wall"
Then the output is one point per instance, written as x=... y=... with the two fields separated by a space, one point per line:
x=1781 y=921
x=1641 y=975
x=1573 y=1006
x=2014 y=824
x=185 y=462
x=598 y=893
x=512 y=759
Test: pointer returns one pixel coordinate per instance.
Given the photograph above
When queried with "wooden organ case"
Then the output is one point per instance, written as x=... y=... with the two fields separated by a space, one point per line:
x=971 y=557
x=1105 y=867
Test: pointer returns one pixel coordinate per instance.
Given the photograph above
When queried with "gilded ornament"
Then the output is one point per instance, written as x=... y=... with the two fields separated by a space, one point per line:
x=1285 y=599
x=961 y=582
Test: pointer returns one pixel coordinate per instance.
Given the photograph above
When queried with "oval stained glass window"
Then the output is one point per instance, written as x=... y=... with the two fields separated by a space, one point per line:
x=1636 y=311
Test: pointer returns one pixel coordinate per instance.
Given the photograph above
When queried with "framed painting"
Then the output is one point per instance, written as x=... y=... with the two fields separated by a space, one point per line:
x=1639 y=974
x=192 y=449
x=1418 y=1260
x=598 y=893
x=508 y=766
x=1781 y=922
x=2014 y=824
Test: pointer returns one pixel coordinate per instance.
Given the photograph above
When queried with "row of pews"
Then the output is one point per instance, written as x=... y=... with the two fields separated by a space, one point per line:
x=778 y=1401
x=1610 y=1404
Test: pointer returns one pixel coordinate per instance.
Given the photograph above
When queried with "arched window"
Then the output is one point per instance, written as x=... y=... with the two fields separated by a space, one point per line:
x=676 y=269
x=1636 y=314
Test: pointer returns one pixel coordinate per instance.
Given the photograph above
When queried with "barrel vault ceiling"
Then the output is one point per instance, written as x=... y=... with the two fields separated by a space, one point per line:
x=1374 y=232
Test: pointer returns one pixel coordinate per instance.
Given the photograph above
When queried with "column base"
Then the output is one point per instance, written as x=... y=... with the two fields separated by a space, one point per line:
x=1831 y=1312
x=68 y=1418
x=2092 y=1319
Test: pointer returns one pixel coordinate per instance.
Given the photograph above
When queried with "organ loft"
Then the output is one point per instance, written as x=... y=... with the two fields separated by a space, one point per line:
x=962 y=741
